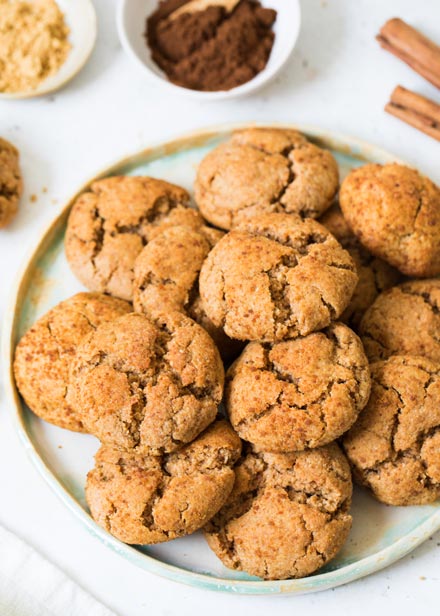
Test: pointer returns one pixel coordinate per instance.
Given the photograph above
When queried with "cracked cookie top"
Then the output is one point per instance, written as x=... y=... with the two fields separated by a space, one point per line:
x=166 y=277
x=405 y=320
x=375 y=275
x=45 y=352
x=276 y=276
x=394 y=447
x=395 y=212
x=265 y=170
x=301 y=393
x=11 y=184
x=110 y=223
x=147 y=384
x=287 y=515
x=150 y=499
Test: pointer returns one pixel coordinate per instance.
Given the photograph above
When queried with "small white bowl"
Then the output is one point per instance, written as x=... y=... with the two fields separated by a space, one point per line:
x=131 y=20
x=80 y=17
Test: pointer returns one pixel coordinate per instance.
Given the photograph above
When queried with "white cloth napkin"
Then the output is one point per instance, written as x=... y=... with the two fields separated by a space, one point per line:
x=32 y=586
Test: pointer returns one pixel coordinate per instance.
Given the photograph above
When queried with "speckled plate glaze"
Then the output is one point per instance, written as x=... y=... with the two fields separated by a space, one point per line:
x=380 y=534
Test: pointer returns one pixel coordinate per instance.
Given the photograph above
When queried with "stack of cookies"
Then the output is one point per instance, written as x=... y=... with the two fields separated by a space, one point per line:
x=251 y=283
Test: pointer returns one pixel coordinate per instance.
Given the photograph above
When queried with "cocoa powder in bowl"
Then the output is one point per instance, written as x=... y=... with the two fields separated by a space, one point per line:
x=211 y=50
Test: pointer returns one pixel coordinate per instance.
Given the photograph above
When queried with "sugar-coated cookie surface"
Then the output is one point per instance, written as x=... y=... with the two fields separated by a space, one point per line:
x=265 y=170
x=150 y=499
x=45 y=352
x=395 y=212
x=375 y=275
x=11 y=185
x=110 y=223
x=405 y=320
x=147 y=384
x=287 y=515
x=394 y=447
x=276 y=276
x=291 y=395
x=166 y=277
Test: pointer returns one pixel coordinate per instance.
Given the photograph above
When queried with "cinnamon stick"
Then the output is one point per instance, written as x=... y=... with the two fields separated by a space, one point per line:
x=419 y=52
x=416 y=110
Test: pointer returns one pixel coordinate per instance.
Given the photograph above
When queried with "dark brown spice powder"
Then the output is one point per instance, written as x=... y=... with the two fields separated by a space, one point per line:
x=211 y=50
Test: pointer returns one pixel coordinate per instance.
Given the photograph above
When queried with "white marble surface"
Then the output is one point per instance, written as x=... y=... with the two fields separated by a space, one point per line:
x=337 y=78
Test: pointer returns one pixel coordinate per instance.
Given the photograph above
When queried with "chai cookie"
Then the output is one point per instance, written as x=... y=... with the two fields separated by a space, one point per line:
x=394 y=447
x=150 y=499
x=11 y=185
x=287 y=515
x=375 y=275
x=405 y=320
x=166 y=277
x=395 y=213
x=111 y=222
x=292 y=395
x=265 y=170
x=45 y=352
x=276 y=276
x=144 y=384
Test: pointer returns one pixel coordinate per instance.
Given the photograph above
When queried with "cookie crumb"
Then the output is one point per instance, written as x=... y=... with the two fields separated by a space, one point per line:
x=34 y=198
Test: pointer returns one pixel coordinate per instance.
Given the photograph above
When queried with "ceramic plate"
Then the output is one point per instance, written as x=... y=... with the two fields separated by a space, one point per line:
x=380 y=534
x=80 y=17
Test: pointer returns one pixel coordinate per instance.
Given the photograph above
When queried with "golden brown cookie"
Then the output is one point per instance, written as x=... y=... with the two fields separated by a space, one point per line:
x=110 y=223
x=375 y=275
x=45 y=352
x=11 y=185
x=265 y=170
x=301 y=393
x=253 y=282
x=148 y=385
x=395 y=212
x=394 y=447
x=150 y=499
x=405 y=320
x=287 y=515
x=166 y=277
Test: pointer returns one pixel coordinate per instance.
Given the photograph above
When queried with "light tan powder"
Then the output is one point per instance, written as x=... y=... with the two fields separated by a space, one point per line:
x=33 y=43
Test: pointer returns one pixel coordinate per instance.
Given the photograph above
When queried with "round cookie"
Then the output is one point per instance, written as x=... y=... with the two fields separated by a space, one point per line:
x=405 y=320
x=166 y=275
x=287 y=515
x=253 y=282
x=45 y=352
x=394 y=447
x=301 y=393
x=150 y=499
x=375 y=275
x=265 y=170
x=11 y=185
x=111 y=222
x=395 y=212
x=167 y=270
x=147 y=385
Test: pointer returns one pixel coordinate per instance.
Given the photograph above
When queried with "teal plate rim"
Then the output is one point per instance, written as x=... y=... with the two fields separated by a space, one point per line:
x=317 y=582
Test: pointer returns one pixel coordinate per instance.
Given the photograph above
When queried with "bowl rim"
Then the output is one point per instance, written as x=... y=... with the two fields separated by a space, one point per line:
x=321 y=581
x=264 y=77
x=42 y=90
